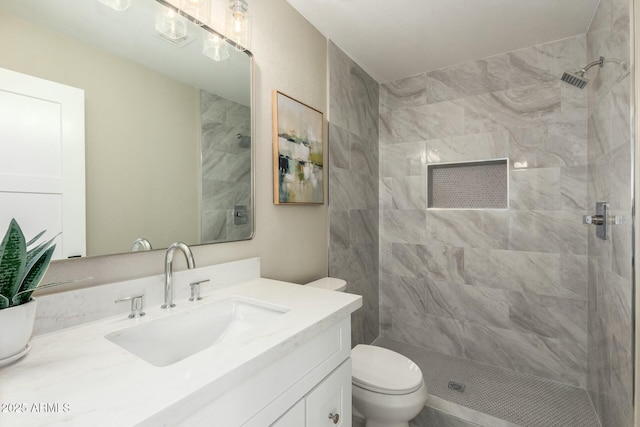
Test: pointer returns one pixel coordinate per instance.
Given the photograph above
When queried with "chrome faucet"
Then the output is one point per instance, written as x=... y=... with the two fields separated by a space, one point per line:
x=168 y=270
x=141 y=244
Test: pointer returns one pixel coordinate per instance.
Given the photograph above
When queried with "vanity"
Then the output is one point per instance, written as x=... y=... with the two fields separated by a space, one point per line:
x=280 y=356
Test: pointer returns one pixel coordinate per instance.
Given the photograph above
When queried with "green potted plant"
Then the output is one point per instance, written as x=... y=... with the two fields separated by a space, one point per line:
x=22 y=266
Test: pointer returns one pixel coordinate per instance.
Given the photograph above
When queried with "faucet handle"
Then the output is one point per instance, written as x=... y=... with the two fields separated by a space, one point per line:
x=136 y=305
x=195 y=290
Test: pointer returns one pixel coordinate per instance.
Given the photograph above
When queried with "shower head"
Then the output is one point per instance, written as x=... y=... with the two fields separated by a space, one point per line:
x=576 y=79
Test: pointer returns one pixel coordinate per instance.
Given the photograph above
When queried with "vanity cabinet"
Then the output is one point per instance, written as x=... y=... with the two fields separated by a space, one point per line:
x=301 y=389
x=327 y=405
x=294 y=417
x=289 y=371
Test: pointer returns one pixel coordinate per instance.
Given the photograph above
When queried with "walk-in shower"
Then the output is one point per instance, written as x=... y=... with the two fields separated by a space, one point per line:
x=516 y=316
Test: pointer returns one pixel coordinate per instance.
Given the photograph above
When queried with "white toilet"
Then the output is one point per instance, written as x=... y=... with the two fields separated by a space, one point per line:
x=388 y=388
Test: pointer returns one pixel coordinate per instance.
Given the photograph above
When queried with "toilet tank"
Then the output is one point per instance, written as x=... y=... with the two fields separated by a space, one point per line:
x=329 y=283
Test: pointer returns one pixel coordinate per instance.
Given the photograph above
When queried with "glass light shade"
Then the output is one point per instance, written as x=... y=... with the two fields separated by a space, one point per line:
x=215 y=47
x=238 y=28
x=118 y=5
x=199 y=10
x=170 y=23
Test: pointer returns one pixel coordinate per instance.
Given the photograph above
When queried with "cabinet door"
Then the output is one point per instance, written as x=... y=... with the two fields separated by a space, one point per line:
x=329 y=404
x=294 y=417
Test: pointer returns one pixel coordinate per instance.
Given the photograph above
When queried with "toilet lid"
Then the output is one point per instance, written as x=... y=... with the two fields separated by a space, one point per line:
x=384 y=371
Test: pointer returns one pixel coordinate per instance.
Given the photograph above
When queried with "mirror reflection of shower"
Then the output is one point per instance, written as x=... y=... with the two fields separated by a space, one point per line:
x=244 y=141
x=578 y=79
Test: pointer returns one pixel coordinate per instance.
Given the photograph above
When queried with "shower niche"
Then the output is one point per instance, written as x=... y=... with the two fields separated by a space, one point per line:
x=480 y=184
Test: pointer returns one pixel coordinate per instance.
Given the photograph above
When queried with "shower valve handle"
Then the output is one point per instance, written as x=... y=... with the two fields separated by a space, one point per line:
x=593 y=219
x=600 y=220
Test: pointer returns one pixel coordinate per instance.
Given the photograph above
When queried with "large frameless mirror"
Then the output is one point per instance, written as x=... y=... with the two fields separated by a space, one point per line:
x=162 y=127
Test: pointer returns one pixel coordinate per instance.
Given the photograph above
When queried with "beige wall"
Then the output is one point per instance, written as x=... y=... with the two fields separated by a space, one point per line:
x=127 y=119
x=290 y=55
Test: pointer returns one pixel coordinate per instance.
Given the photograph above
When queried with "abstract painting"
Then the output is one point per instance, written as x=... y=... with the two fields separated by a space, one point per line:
x=297 y=152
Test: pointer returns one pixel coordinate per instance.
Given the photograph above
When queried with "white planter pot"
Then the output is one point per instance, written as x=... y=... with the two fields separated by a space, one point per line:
x=16 y=327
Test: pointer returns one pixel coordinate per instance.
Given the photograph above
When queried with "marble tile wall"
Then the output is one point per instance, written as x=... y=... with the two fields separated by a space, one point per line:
x=353 y=187
x=226 y=167
x=609 y=350
x=506 y=287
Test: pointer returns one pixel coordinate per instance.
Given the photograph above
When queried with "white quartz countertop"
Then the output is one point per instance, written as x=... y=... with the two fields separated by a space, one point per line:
x=76 y=377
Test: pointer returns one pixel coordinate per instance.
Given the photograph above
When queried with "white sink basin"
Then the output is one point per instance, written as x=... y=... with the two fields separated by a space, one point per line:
x=170 y=339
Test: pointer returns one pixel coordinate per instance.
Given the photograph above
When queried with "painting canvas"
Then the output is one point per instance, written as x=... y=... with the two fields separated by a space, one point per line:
x=297 y=152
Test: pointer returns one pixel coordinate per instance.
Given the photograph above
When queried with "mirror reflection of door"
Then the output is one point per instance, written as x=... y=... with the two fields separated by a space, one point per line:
x=42 y=179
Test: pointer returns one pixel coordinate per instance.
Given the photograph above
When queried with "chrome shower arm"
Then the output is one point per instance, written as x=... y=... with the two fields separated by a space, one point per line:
x=599 y=62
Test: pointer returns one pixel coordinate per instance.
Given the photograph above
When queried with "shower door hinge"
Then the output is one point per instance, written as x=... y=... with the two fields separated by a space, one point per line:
x=600 y=220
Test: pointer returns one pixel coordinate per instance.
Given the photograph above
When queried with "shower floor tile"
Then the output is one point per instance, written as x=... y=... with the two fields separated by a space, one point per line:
x=521 y=399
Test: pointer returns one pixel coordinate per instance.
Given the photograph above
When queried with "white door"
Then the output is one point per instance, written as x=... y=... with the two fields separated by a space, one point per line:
x=42 y=180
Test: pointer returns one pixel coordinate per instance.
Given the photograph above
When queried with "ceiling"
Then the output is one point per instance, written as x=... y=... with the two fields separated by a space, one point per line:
x=400 y=38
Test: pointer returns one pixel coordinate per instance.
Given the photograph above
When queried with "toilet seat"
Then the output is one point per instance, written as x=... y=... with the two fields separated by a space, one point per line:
x=384 y=371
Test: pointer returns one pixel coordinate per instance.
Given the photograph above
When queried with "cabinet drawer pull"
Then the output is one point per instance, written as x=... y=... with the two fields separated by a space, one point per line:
x=334 y=417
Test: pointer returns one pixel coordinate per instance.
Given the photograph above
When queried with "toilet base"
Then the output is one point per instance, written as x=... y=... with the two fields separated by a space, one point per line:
x=381 y=410
x=362 y=421
x=385 y=424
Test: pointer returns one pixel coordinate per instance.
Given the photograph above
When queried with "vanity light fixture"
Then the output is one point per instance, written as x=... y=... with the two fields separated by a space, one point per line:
x=215 y=47
x=199 y=10
x=119 y=5
x=238 y=24
x=170 y=23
